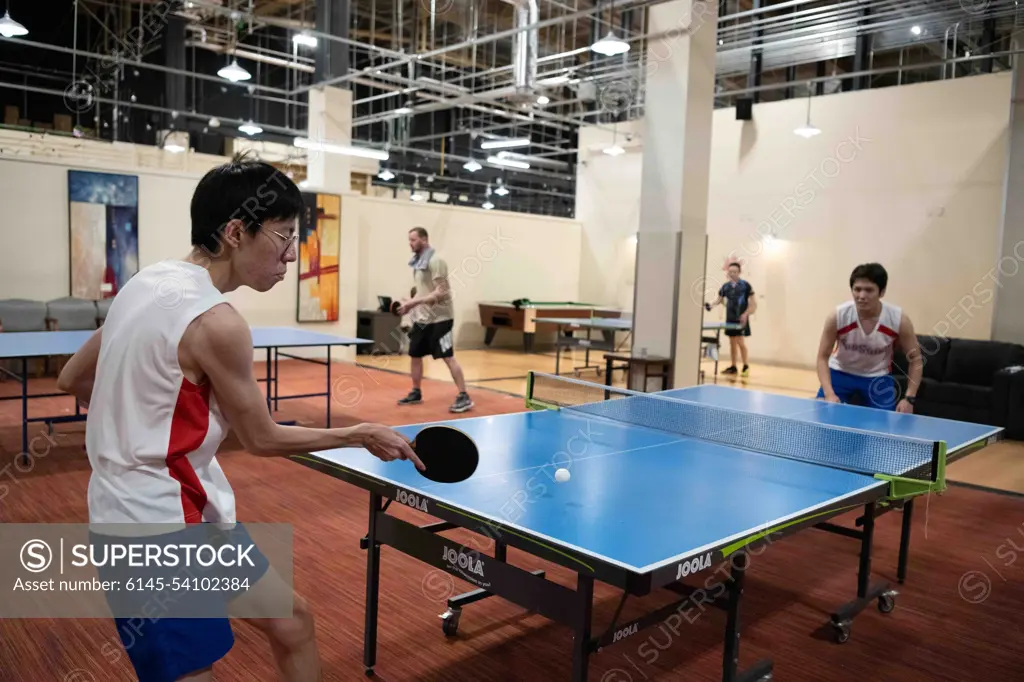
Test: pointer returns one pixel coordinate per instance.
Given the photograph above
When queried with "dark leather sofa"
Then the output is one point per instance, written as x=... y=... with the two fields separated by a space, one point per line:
x=969 y=380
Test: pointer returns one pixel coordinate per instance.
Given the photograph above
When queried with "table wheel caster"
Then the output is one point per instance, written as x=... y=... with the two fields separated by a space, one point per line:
x=368 y=672
x=842 y=631
x=887 y=602
x=450 y=621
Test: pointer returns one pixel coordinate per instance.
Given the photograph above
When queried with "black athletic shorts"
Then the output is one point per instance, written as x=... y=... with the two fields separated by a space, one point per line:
x=434 y=339
x=738 y=332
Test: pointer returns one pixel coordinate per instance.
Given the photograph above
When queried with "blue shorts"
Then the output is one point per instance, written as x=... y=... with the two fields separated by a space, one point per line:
x=169 y=634
x=878 y=392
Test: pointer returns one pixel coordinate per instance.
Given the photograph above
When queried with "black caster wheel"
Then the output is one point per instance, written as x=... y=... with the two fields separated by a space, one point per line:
x=369 y=672
x=886 y=603
x=450 y=621
x=842 y=632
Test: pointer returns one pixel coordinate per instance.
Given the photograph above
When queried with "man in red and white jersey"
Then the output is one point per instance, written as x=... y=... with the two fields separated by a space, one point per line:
x=857 y=344
x=167 y=376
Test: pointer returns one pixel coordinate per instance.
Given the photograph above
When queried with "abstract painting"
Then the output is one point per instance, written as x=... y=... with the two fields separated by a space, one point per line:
x=104 y=222
x=319 y=253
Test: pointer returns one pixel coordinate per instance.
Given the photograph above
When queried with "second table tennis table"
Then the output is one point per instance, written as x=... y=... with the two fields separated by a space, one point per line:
x=24 y=346
x=664 y=487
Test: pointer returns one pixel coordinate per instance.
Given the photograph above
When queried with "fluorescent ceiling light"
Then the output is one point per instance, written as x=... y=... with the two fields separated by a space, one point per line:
x=250 y=128
x=234 y=73
x=304 y=39
x=511 y=163
x=330 y=148
x=9 y=28
x=554 y=80
x=488 y=205
x=386 y=175
x=402 y=111
x=472 y=166
x=916 y=30
x=610 y=45
x=543 y=99
x=807 y=131
x=614 y=150
x=501 y=191
x=506 y=143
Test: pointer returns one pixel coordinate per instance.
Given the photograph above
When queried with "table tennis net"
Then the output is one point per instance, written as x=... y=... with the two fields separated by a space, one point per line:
x=849 y=449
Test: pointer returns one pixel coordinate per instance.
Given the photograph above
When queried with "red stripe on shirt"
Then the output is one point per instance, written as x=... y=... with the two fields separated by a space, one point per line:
x=885 y=330
x=189 y=425
x=847 y=329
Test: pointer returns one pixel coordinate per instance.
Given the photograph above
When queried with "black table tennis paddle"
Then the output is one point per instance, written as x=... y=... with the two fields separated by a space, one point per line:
x=395 y=305
x=449 y=455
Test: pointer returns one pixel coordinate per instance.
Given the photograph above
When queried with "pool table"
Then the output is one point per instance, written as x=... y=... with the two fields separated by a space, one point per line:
x=523 y=315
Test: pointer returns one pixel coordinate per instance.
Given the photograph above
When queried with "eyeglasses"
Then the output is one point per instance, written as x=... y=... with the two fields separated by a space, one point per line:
x=288 y=241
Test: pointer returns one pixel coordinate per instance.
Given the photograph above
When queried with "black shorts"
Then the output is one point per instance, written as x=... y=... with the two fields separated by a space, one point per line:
x=738 y=332
x=434 y=339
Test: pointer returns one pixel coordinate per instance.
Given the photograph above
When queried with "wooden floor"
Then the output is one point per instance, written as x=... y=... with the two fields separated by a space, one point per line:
x=956 y=617
x=999 y=466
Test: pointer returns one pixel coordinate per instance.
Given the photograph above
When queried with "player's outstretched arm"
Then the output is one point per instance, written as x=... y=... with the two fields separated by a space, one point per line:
x=79 y=373
x=912 y=349
x=219 y=344
x=825 y=346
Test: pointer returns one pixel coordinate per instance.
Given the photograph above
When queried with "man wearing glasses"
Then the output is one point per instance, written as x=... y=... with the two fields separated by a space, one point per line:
x=166 y=378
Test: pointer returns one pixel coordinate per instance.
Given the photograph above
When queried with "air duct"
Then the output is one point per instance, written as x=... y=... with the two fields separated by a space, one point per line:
x=524 y=51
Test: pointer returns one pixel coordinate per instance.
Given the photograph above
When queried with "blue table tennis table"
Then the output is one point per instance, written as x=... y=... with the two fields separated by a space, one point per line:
x=664 y=487
x=24 y=346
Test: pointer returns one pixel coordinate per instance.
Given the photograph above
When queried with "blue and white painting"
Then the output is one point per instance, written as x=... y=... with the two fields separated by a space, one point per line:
x=104 y=221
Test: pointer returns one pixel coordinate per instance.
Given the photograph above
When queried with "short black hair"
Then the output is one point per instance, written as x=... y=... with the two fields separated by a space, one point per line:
x=245 y=189
x=873 y=272
x=421 y=232
x=737 y=266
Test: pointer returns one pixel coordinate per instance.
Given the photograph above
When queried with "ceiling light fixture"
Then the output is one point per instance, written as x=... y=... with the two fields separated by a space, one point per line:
x=472 y=166
x=506 y=143
x=808 y=130
x=386 y=175
x=614 y=150
x=304 y=39
x=610 y=45
x=501 y=191
x=488 y=205
x=916 y=30
x=173 y=148
x=510 y=163
x=347 y=150
x=250 y=128
x=234 y=73
x=9 y=28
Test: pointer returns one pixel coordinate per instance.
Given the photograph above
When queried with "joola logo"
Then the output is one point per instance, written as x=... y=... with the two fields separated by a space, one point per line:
x=464 y=561
x=626 y=632
x=694 y=565
x=414 y=501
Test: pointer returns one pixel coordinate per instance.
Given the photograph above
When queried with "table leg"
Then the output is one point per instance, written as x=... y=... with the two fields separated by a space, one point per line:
x=328 y=387
x=731 y=652
x=901 y=571
x=277 y=377
x=372 y=587
x=607 y=377
x=270 y=406
x=581 y=629
x=24 y=411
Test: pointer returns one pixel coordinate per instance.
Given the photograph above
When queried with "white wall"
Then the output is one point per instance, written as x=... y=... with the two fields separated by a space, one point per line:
x=910 y=177
x=492 y=255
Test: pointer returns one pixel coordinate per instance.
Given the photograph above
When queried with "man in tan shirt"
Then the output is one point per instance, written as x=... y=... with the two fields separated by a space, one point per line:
x=431 y=313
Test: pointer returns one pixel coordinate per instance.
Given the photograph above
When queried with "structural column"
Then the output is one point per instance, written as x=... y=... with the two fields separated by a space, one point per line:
x=330 y=122
x=671 y=243
x=1008 y=315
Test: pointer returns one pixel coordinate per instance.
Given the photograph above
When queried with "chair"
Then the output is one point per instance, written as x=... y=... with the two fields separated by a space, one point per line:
x=70 y=314
x=102 y=307
x=21 y=315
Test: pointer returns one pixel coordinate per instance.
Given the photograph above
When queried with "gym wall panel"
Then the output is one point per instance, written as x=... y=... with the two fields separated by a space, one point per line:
x=911 y=177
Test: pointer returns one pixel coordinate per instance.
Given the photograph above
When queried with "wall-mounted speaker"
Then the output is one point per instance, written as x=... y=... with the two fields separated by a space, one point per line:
x=744 y=108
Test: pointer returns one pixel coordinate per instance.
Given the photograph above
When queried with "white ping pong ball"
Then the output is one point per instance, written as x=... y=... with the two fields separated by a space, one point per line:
x=562 y=475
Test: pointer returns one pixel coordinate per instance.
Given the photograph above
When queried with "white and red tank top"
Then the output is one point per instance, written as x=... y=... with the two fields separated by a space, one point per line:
x=863 y=353
x=151 y=434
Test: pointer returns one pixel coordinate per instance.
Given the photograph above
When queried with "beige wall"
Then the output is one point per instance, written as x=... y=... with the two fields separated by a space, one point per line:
x=911 y=177
x=492 y=255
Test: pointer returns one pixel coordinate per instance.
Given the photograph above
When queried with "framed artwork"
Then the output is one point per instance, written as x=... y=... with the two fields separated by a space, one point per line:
x=103 y=218
x=319 y=252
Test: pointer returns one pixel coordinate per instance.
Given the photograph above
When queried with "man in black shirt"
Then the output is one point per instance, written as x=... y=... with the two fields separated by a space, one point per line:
x=739 y=306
